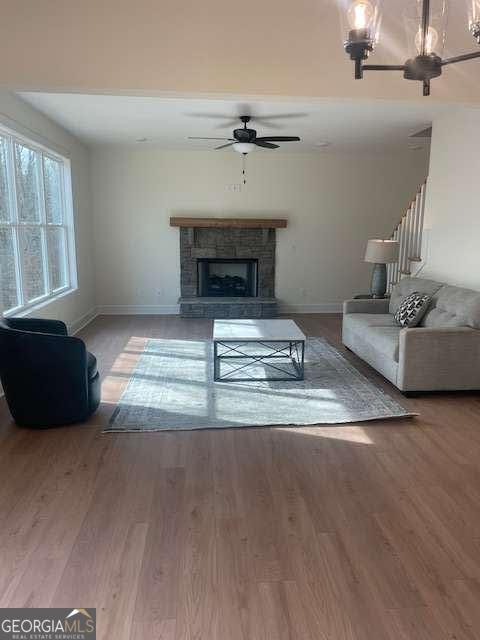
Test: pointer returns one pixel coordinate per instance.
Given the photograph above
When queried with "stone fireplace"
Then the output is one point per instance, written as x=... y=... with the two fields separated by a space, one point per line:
x=227 y=267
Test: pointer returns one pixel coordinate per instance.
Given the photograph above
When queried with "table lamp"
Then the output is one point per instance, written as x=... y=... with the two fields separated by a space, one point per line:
x=380 y=253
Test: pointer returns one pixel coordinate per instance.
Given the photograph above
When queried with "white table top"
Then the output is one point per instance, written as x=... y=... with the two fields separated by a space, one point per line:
x=255 y=330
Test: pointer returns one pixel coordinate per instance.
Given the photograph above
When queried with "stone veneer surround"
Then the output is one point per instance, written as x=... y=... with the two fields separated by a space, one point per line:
x=198 y=242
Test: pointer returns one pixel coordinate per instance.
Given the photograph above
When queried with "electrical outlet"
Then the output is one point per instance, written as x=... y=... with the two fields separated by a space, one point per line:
x=233 y=187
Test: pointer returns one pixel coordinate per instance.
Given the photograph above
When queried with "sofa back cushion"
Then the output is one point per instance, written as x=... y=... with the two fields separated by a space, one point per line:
x=453 y=307
x=406 y=286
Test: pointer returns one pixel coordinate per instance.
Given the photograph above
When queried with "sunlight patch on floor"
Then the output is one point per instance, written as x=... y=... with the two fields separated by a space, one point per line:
x=346 y=433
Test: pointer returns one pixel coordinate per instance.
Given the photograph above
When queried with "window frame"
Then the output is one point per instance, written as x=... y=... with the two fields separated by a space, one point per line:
x=15 y=224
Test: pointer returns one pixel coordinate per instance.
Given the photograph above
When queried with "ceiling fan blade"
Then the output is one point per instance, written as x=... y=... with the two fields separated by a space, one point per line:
x=267 y=145
x=200 y=138
x=211 y=116
x=274 y=121
x=223 y=146
x=230 y=120
x=223 y=120
x=280 y=116
x=280 y=138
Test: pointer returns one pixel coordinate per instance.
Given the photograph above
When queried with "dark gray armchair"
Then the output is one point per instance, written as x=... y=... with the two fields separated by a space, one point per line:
x=49 y=378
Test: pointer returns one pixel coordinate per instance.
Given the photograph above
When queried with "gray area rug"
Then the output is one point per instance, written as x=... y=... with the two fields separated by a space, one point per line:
x=172 y=388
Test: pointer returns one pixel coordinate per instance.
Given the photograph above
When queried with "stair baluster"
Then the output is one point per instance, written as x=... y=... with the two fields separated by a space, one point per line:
x=408 y=233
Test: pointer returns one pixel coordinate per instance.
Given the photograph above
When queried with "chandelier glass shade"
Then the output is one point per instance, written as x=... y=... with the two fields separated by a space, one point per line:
x=361 y=22
x=433 y=41
x=473 y=8
x=426 y=26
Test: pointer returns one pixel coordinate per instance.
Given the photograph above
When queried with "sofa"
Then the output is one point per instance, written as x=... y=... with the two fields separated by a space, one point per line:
x=441 y=354
x=49 y=377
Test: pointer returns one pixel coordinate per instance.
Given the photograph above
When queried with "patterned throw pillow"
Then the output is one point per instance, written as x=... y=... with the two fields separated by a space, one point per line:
x=412 y=309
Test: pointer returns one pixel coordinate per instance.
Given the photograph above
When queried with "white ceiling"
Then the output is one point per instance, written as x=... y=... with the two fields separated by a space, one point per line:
x=167 y=122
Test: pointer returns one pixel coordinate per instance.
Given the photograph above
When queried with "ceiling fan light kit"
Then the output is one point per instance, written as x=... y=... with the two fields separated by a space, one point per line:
x=243 y=147
x=425 y=22
x=245 y=141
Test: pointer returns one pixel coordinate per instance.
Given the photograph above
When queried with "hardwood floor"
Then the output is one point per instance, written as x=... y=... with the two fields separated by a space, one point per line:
x=353 y=532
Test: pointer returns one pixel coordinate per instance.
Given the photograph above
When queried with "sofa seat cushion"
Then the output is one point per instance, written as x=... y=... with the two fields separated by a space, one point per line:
x=380 y=331
x=384 y=340
x=361 y=320
x=454 y=307
x=91 y=365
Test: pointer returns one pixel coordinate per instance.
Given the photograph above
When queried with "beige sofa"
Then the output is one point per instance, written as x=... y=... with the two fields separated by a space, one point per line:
x=442 y=353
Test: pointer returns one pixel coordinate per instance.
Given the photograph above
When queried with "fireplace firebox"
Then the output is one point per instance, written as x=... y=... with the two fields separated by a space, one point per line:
x=227 y=277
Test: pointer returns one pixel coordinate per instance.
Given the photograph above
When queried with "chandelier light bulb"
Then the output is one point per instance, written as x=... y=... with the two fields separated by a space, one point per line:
x=430 y=40
x=360 y=14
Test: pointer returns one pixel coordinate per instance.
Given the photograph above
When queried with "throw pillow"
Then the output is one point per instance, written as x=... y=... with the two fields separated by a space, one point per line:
x=412 y=309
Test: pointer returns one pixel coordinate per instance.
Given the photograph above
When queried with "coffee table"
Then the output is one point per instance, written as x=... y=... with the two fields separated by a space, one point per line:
x=276 y=345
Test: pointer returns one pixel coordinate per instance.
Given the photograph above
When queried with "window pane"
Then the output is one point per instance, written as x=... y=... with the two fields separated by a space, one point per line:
x=26 y=166
x=31 y=250
x=4 y=194
x=8 y=294
x=52 y=173
x=57 y=257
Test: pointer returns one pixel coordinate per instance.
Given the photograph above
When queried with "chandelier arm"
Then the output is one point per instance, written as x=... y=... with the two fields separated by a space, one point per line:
x=462 y=58
x=383 y=67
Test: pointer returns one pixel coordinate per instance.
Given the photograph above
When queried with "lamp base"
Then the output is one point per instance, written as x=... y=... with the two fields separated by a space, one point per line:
x=378 y=287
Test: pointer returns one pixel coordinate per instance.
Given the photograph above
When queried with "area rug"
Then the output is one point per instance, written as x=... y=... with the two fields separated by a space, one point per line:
x=172 y=388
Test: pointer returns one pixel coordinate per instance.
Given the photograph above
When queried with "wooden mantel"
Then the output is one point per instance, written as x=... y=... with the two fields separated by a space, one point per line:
x=232 y=223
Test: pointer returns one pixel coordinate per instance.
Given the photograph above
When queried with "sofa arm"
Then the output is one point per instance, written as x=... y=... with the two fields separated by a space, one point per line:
x=442 y=359
x=38 y=325
x=370 y=305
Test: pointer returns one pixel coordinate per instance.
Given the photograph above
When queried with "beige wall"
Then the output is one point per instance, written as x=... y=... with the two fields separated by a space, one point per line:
x=272 y=47
x=452 y=213
x=15 y=114
x=334 y=203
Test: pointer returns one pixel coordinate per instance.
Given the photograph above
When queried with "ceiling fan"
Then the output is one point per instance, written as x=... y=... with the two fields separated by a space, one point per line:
x=245 y=140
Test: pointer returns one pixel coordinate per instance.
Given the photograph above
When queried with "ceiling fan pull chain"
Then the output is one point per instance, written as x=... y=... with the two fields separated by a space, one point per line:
x=244 y=166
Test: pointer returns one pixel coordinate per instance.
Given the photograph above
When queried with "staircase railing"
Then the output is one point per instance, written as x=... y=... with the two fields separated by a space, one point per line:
x=408 y=233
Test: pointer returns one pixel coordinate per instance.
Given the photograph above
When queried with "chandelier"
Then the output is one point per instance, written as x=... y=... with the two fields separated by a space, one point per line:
x=426 y=31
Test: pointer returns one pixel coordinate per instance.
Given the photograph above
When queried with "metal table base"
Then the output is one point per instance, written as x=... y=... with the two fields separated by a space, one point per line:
x=293 y=350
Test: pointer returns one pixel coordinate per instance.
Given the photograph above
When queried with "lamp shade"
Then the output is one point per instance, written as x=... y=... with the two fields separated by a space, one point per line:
x=382 y=251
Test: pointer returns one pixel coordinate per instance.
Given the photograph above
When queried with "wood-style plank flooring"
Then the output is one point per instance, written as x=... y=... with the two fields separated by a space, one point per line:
x=354 y=532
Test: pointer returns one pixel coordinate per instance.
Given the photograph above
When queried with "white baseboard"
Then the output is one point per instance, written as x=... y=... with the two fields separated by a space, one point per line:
x=327 y=307
x=161 y=310
x=77 y=325
x=138 y=310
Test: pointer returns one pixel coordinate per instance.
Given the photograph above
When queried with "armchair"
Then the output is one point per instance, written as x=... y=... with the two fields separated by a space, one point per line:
x=49 y=377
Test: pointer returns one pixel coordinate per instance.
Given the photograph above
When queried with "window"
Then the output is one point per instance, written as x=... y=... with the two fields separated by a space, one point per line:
x=37 y=253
